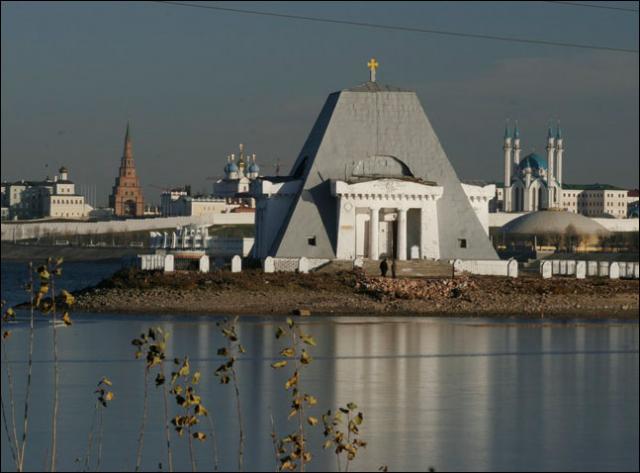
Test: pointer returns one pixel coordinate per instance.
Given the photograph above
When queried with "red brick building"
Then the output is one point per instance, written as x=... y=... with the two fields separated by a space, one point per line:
x=126 y=198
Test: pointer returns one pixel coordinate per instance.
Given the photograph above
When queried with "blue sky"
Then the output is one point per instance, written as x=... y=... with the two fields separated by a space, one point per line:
x=194 y=83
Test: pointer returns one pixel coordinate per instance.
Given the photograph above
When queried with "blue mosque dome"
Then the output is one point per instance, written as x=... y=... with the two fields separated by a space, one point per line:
x=533 y=161
x=254 y=168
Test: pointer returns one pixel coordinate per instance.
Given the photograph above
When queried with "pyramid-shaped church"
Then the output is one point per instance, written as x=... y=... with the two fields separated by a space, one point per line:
x=372 y=180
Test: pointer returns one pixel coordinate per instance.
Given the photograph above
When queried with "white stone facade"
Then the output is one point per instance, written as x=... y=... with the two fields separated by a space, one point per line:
x=51 y=198
x=387 y=217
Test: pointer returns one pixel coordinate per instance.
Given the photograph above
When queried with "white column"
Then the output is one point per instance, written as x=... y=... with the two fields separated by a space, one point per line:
x=508 y=165
x=424 y=218
x=560 y=150
x=374 y=229
x=402 y=234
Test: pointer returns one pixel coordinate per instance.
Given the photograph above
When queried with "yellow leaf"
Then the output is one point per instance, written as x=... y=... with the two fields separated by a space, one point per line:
x=292 y=381
x=312 y=401
x=308 y=339
x=305 y=358
x=109 y=396
x=199 y=436
x=196 y=378
x=287 y=352
x=66 y=319
x=184 y=370
x=312 y=420
x=106 y=381
x=279 y=364
x=68 y=298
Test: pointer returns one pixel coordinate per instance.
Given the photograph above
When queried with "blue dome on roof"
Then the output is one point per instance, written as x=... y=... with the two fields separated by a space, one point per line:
x=254 y=168
x=231 y=167
x=533 y=161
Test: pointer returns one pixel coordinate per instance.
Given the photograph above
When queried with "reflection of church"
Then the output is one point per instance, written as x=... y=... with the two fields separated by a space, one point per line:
x=238 y=174
x=126 y=198
x=372 y=179
x=532 y=183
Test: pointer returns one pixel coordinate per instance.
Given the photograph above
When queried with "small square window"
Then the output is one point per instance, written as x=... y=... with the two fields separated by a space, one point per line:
x=311 y=241
x=462 y=242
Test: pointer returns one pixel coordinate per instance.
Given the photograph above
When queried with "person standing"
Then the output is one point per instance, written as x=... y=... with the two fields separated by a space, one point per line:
x=384 y=267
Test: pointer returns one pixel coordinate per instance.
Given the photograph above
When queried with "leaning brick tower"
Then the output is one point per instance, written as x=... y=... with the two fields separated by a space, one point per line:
x=126 y=198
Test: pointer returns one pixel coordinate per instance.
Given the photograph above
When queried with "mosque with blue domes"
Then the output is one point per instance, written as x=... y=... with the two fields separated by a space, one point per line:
x=532 y=182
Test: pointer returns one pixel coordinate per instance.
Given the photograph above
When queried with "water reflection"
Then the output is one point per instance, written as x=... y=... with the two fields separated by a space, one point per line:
x=456 y=395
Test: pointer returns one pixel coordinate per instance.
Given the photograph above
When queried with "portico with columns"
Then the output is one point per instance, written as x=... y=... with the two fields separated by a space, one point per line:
x=387 y=218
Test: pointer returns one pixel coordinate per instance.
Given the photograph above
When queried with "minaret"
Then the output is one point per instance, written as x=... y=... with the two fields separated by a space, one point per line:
x=516 y=145
x=508 y=165
x=126 y=198
x=559 y=151
x=551 y=149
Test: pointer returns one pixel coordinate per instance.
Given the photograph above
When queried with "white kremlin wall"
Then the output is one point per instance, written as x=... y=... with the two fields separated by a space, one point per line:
x=25 y=231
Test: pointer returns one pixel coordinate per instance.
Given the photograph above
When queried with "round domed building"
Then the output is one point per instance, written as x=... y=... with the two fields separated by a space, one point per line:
x=554 y=228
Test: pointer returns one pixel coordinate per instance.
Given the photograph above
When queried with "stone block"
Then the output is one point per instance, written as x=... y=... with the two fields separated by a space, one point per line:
x=592 y=268
x=268 y=265
x=169 y=264
x=236 y=264
x=203 y=264
x=614 y=271
x=581 y=269
x=303 y=265
x=546 y=269
x=571 y=267
x=555 y=266
x=512 y=268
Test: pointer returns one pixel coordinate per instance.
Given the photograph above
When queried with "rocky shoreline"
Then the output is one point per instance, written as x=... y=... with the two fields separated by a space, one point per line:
x=352 y=293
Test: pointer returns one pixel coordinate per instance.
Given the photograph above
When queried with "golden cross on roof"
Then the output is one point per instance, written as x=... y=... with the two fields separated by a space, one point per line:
x=372 y=65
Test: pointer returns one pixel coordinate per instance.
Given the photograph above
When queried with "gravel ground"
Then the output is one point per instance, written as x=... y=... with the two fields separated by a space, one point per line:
x=349 y=293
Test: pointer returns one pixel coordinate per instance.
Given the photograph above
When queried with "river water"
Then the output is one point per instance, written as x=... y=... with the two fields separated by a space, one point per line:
x=451 y=394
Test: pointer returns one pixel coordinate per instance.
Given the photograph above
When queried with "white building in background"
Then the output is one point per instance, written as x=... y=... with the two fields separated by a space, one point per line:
x=238 y=175
x=533 y=183
x=230 y=194
x=180 y=203
x=51 y=198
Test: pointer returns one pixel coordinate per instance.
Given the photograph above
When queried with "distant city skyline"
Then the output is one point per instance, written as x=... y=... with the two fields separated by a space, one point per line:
x=195 y=83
